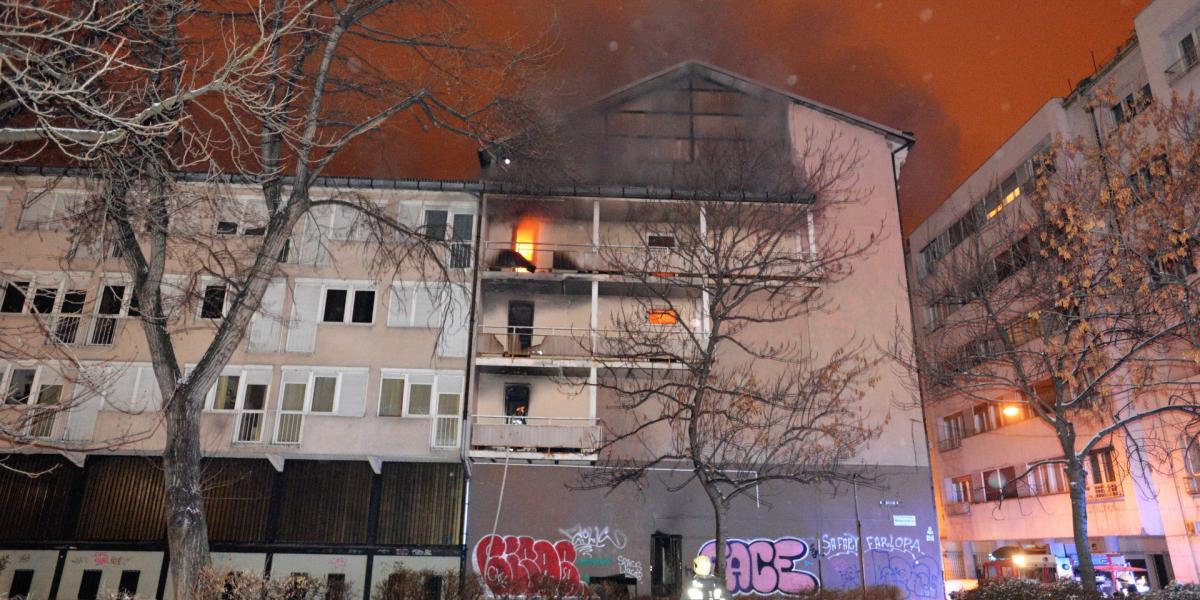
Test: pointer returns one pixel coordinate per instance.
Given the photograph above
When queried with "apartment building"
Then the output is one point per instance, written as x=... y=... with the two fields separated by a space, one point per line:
x=554 y=291
x=332 y=439
x=370 y=422
x=982 y=447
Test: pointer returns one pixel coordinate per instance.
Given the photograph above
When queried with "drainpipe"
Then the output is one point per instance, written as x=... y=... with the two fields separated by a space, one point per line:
x=464 y=433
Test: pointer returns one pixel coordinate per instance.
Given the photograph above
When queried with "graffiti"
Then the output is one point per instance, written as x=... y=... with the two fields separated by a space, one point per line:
x=765 y=566
x=513 y=564
x=894 y=543
x=338 y=562
x=837 y=545
x=587 y=539
x=629 y=567
x=916 y=575
x=847 y=544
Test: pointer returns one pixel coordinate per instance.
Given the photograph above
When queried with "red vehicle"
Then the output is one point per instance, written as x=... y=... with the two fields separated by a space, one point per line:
x=1034 y=562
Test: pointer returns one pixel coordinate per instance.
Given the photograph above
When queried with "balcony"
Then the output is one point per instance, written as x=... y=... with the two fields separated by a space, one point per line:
x=1181 y=67
x=949 y=444
x=1192 y=484
x=497 y=436
x=1104 y=491
x=524 y=344
x=958 y=508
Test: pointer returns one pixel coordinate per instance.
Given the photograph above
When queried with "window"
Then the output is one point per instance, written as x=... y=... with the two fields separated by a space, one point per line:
x=1000 y=484
x=227 y=391
x=985 y=417
x=1102 y=473
x=20 y=386
x=960 y=489
x=89 y=584
x=954 y=429
x=660 y=241
x=391 y=397
x=44 y=300
x=1048 y=478
x=435 y=224
x=213 y=304
x=1132 y=105
x=456 y=228
x=662 y=316
x=129 y=583
x=324 y=396
x=1187 y=50
x=335 y=586
x=227 y=227
x=420 y=396
x=22 y=583
x=47 y=210
x=349 y=305
x=14 y=297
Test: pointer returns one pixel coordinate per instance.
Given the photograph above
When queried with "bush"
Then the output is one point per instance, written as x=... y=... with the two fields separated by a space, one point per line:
x=1175 y=591
x=874 y=592
x=407 y=584
x=1027 y=589
x=240 y=585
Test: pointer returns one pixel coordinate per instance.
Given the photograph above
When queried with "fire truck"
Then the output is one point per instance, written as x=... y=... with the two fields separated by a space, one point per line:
x=1026 y=562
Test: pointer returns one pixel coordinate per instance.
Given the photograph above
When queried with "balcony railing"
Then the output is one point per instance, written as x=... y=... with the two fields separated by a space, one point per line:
x=288 y=427
x=445 y=432
x=567 y=343
x=250 y=426
x=1193 y=484
x=554 y=434
x=82 y=330
x=1181 y=67
x=620 y=259
x=958 y=508
x=1108 y=489
x=949 y=443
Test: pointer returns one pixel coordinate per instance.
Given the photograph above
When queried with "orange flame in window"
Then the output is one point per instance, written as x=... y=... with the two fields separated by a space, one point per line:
x=525 y=238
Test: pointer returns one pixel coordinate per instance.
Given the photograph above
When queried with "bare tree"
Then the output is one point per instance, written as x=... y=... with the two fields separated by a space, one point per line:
x=1074 y=304
x=269 y=92
x=706 y=359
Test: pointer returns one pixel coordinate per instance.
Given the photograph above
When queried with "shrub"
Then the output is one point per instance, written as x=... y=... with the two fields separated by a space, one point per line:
x=407 y=584
x=1175 y=591
x=1027 y=589
x=874 y=592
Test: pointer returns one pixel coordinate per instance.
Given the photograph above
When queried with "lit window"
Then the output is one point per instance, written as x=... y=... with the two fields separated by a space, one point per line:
x=662 y=316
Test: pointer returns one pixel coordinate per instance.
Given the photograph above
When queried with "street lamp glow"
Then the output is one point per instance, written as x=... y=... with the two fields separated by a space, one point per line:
x=1011 y=410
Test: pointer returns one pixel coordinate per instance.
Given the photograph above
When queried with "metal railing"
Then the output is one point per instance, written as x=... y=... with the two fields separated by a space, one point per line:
x=619 y=259
x=41 y=421
x=249 y=426
x=570 y=342
x=82 y=330
x=288 y=426
x=952 y=443
x=1107 y=489
x=580 y=434
x=1181 y=67
x=445 y=431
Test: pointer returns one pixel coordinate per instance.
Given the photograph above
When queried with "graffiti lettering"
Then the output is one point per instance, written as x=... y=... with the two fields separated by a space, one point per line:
x=838 y=545
x=629 y=567
x=894 y=543
x=512 y=565
x=915 y=574
x=587 y=539
x=765 y=566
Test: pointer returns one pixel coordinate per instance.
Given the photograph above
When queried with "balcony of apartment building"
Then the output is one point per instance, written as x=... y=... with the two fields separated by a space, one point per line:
x=1186 y=54
x=536 y=415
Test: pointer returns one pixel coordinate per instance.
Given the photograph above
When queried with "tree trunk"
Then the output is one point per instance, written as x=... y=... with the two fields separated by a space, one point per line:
x=719 y=511
x=187 y=530
x=1077 y=475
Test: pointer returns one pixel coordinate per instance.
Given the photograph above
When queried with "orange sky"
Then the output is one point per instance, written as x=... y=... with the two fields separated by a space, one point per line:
x=961 y=74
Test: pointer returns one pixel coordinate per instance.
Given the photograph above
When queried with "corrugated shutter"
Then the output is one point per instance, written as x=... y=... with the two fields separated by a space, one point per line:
x=313 y=252
x=325 y=501
x=302 y=328
x=421 y=503
x=36 y=508
x=86 y=404
x=147 y=396
x=237 y=498
x=409 y=214
x=123 y=500
x=353 y=400
x=120 y=391
x=267 y=322
x=400 y=305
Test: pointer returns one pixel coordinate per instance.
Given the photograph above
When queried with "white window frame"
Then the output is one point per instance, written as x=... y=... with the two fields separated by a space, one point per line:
x=61 y=199
x=34 y=386
x=240 y=400
x=433 y=378
x=433 y=394
x=206 y=283
x=410 y=312
x=656 y=248
x=451 y=211
x=309 y=388
x=351 y=287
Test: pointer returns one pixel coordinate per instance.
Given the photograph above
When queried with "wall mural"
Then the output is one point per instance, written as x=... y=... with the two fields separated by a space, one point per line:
x=587 y=539
x=509 y=564
x=890 y=559
x=765 y=566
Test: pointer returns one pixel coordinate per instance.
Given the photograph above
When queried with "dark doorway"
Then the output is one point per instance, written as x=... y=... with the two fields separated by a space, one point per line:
x=666 y=570
x=1161 y=572
x=516 y=402
x=128 y=585
x=520 y=326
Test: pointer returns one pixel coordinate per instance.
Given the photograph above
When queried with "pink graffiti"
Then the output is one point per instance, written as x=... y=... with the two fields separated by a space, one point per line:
x=514 y=565
x=765 y=567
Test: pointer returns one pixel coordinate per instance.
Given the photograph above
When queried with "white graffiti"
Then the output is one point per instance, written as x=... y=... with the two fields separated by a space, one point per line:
x=629 y=567
x=846 y=544
x=589 y=538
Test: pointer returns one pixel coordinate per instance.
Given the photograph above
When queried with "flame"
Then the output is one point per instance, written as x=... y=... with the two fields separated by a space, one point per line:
x=525 y=238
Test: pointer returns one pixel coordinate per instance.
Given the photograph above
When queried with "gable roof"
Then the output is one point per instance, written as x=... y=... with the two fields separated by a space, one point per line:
x=729 y=79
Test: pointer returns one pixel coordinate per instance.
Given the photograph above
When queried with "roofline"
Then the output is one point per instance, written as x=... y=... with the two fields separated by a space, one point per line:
x=904 y=137
x=479 y=186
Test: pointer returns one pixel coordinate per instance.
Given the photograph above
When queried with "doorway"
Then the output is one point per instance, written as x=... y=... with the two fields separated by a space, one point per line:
x=520 y=327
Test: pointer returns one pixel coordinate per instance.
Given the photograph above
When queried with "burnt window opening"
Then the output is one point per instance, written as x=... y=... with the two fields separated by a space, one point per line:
x=335 y=586
x=213 y=305
x=433 y=587
x=520 y=327
x=661 y=241
x=14 y=297
x=666 y=564
x=516 y=403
